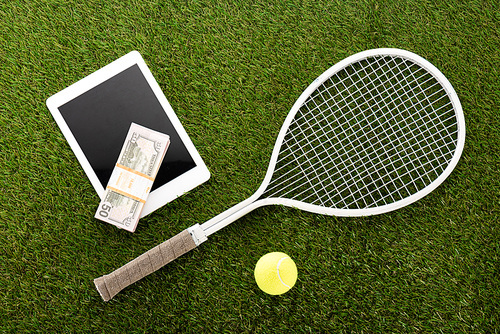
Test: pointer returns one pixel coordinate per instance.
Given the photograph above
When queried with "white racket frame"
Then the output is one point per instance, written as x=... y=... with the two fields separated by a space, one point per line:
x=200 y=232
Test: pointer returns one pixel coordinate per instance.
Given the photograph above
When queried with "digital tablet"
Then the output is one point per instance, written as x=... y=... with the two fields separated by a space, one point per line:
x=95 y=113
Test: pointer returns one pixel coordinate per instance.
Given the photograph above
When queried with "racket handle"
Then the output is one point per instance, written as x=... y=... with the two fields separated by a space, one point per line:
x=147 y=263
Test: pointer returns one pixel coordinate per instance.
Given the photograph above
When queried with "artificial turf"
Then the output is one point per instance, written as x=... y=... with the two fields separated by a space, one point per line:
x=231 y=70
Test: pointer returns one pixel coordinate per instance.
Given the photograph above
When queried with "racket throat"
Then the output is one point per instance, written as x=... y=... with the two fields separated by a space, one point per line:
x=232 y=214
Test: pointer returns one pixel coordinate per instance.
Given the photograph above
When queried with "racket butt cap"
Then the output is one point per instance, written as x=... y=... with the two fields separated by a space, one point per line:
x=101 y=288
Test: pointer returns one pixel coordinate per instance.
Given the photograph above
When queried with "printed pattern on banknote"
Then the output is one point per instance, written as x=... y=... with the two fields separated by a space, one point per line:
x=132 y=177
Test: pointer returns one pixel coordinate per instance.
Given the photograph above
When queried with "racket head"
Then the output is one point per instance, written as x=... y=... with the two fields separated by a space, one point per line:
x=387 y=135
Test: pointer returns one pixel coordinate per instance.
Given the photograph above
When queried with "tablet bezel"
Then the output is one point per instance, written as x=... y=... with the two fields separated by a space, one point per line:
x=170 y=190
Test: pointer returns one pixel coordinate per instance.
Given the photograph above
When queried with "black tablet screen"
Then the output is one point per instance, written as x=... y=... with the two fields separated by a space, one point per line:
x=100 y=119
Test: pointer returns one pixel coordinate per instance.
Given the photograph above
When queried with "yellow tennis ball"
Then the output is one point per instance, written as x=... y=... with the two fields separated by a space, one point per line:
x=275 y=273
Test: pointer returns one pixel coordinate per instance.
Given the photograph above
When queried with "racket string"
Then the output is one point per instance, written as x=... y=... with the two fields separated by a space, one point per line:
x=399 y=130
x=329 y=139
x=367 y=171
x=338 y=128
x=313 y=169
x=333 y=130
x=309 y=161
x=284 y=175
x=396 y=190
x=375 y=170
x=357 y=105
x=419 y=103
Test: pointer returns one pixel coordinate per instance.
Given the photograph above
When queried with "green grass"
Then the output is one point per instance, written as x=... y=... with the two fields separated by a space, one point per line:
x=232 y=70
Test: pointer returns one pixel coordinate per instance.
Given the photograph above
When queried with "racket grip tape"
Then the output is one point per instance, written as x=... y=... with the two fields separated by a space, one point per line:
x=147 y=263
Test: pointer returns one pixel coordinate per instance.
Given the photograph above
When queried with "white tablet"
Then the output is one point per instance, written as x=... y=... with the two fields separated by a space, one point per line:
x=95 y=113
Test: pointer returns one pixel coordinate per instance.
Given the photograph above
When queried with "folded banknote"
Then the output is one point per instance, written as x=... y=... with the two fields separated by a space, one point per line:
x=132 y=177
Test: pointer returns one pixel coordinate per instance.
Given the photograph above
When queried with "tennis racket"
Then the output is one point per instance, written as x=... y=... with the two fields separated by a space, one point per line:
x=375 y=132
